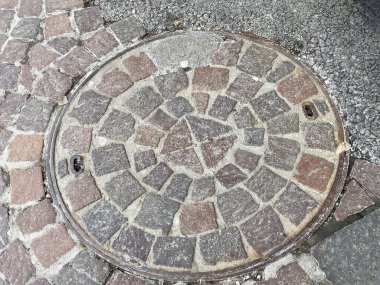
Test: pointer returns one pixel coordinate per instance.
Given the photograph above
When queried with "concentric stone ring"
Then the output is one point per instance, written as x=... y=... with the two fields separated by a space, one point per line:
x=197 y=155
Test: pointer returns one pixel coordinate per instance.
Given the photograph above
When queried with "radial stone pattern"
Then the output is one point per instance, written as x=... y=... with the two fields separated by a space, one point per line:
x=196 y=155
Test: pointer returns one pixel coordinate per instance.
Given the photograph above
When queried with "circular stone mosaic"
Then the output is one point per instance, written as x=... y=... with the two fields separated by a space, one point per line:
x=197 y=156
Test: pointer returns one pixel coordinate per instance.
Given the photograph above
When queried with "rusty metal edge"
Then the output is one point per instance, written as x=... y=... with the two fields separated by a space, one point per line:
x=238 y=271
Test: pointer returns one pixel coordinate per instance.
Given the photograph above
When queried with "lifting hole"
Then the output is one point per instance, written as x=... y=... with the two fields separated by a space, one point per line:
x=76 y=164
x=309 y=110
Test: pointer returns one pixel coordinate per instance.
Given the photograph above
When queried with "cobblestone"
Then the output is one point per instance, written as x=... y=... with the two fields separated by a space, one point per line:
x=269 y=106
x=135 y=29
x=204 y=129
x=8 y=75
x=40 y=57
x=114 y=130
x=35 y=115
x=257 y=61
x=179 y=186
x=202 y=188
x=320 y=136
x=77 y=139
x=179 y=138
x=171 y=83
x=246 y=160
x=64 y=44
x=144 y=102
x=162 y=120
x=57 y=25
x=4 y=227
x=285 y=124
x=230 y=175
x=110 y=158
x=114 y=83
x=76 y=61
x=56 y=5
x=26 y=28
x=197 y=218
x=215 y=151
x=179 y=107
x=210 y=78
x=158 y=176
x=5 y=136
x=254 y=136
x=243 y=88
x=88 y=19
x=222 y=108
x=96 y=269
x=367 y=174
x=282 y=153
x=227 y=54
x=14 y=51
x=30 y=8
x=201 y=101
x=26 y=185
x=140 y=66
x=6 y=17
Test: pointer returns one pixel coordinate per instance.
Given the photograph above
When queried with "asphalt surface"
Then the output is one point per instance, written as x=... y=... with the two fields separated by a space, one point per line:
x=340 y=39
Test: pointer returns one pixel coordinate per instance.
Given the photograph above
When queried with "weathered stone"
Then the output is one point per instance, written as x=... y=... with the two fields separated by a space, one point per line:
x=144 y=159
x=103 y=221
x=81 y=192
x=236 y=205
x=282 y=153
x=289 y=275
x=118 y=126
x=257 y=61
x=62 y=168
x=246 y=159
x=124 y=189
x=5 y=136
x=157 y=213
x=351 y=255
x=139 y=66
x=55 y=5
x=134 y=242
x=314 y=172
x=8 y=76
x=244 y=118
x=50 y=247
x=200 y=101
x=119 y=278
x=205 y=129
x=179 y=106
x=19 y=152
x=57 y=25
x=174 y=251
x=285 y=124
x=222 y=107
x=26 y=185
x=158 y=176
x=215 y=151
x=135 y=29
x=162 y=120
x=210 y=78
x=95 y=268
x=63 y=44
x=228 y=53
x=280 y=71
x=354 y=201
x=297 y=87
x=76 y=62
x=35 y=218
x=40 y=57
x=91 y=107
x=197 y=218
x=264 y=230
x=15 y=50
x=243 y=88
x=35 y=115
x=187 y=158
x=367 y=174
x=171 y=83
x=144 y=101
x=148 y=136
x=30 y=8
x=77 y=139
x=68 y=275
x=178 y=187
x=295 y=204
x=254 y=136
x=179 y=138
x=202 y=188
x=230 y=175
x=109 y=158
x=27 y=77
x=16 y=264
x=26 y=28
x=265 y=183
x=6 y=17
x=320 y=136
x=88 y=19
x=4 y=227
x=114 y=83
x=101 y=43
x=269 y=106
x=225 y=246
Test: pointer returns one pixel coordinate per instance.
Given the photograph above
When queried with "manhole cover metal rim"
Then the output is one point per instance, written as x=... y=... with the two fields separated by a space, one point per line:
x=247 y=268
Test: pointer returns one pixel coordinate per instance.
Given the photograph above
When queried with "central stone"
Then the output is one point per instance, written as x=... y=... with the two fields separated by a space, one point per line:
x=195 y=172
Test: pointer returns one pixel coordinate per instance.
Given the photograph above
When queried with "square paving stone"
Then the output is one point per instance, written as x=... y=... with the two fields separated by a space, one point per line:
x=8 y=75
x=134 y=242
x=284 y=124
x=135 y=29
x=76 y=62
x=244 y=118
x=12 y=103
x=243 y=88
x=77 y=139
x=158 y=176
x=280 y=71
x=35 y=115
x=26 y=185
x=204 y=129
x=114 y=83
x=139 y=66
x=269 y=106
x=227 y=53
x=178 y=187
x=226 y=246
x=109 y=158
x=236 y=205
x=14 y=50
x=68 y=276
x=197 y=218
x=222 y=108
x=157 y=213
x=144 y=101
x=179 y=107
x=148 y=136
x=88 y=19
x=246 y=159
x=282 y=153
x=30 y=8
x=18 y=152
x=210 y=78
x=93 y=267
x=124 y=189
x=230 y=175
x=162 y=120
x=202 y=188
x=103 y=220
x=26 y=28
x=101 y=43
x=320 y=136
x=91 y=107
x=57 y=25
x=295 y=204
x=264 y=231
x=63 y=44
x=254 y=136
x=175 y=252
x=144 y=159
x=118 y=126
x=40 y=56
x=265 y=183
x=171 y=83
x=257 y=61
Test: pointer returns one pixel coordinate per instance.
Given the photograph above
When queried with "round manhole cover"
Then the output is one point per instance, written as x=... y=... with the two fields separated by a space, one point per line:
x=197 y=156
